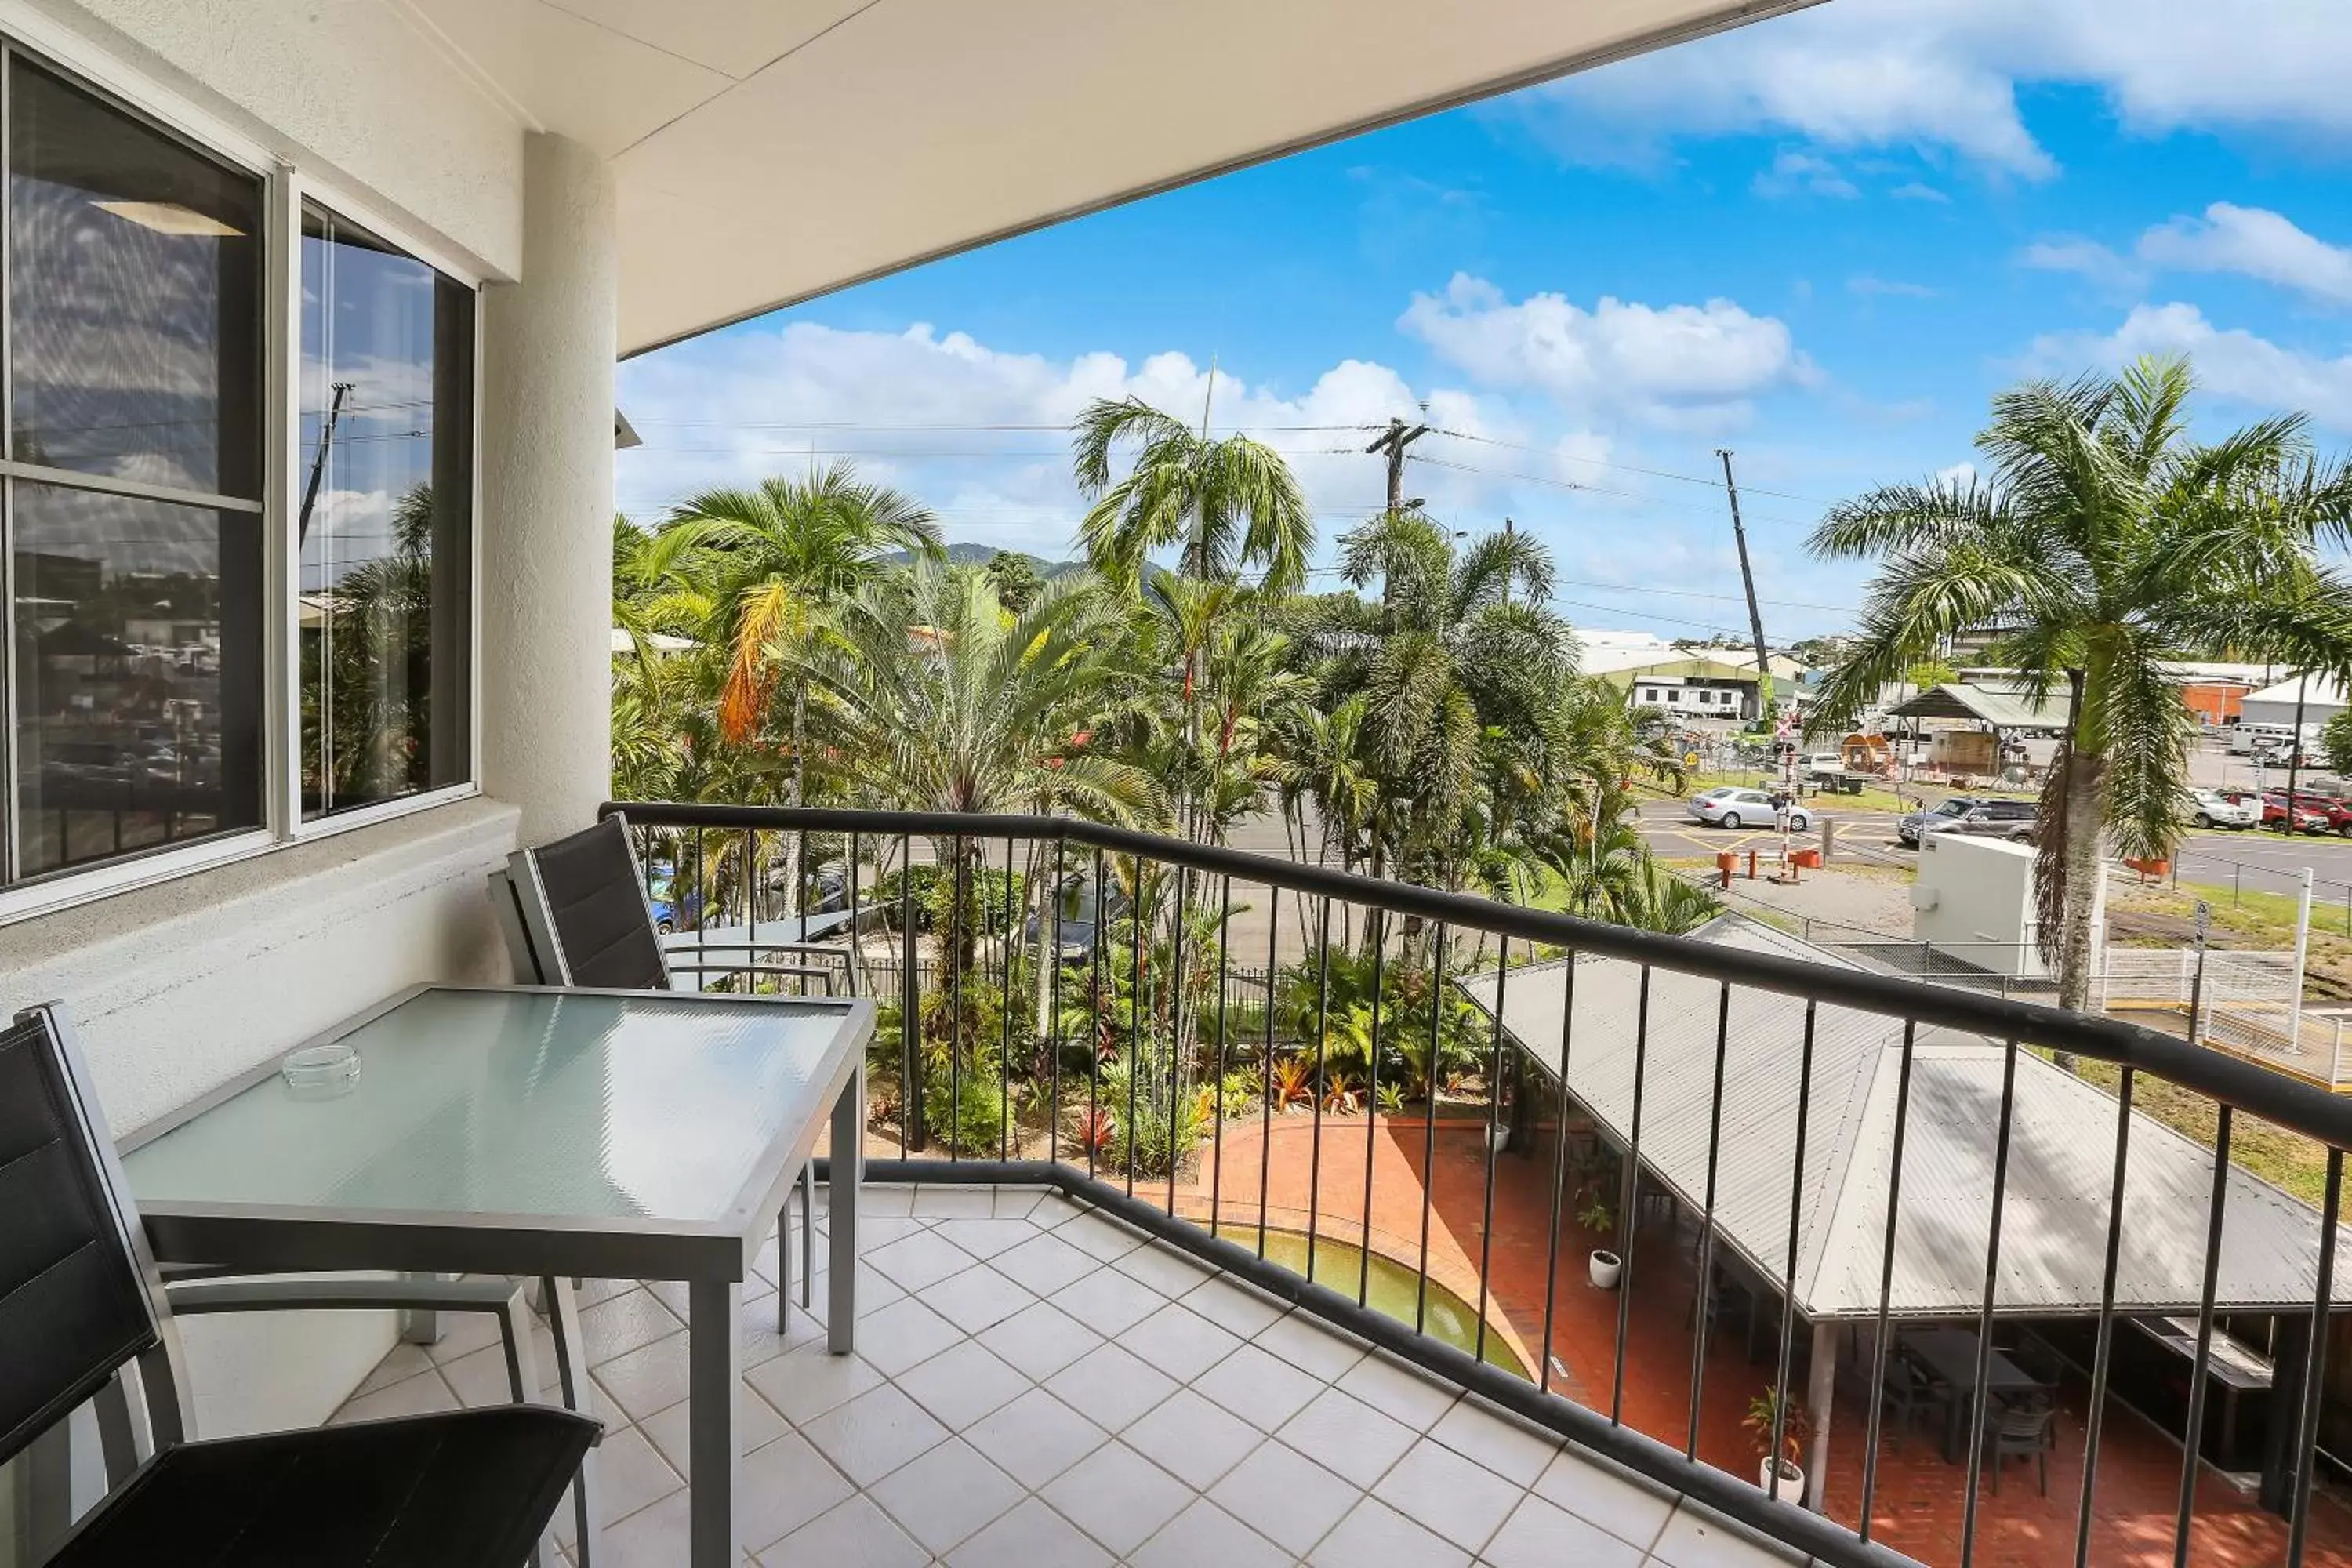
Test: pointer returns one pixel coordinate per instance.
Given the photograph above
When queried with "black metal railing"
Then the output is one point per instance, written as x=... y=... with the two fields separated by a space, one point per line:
x=1039 y=1024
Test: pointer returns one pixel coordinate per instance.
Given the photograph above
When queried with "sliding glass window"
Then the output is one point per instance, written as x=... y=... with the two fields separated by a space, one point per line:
x=384 y=518
x=131 y=500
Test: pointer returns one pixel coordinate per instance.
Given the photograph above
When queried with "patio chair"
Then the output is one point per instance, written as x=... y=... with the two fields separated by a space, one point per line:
x=1909 y=1389
x=2024 y=1429
x=576 y=913
x=82 y=1299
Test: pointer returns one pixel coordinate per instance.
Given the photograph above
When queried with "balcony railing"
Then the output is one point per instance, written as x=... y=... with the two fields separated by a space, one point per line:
x=1410 y=1112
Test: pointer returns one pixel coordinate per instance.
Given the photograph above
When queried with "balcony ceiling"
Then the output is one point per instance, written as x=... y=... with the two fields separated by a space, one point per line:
x=767 y=150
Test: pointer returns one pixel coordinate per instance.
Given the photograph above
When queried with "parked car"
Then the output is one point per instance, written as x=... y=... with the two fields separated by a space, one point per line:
x=1910 y=827
x=2213 y=808
x=1730 y=806
x=2306 y=820
x=2013 y=819
x=2336 y=815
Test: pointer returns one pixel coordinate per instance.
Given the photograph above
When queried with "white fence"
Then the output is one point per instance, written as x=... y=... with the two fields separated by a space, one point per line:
x=2250 y=1004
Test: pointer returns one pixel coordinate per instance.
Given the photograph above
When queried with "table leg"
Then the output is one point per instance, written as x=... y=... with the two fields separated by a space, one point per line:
x=420 y=1325
x=846 y=1169
x=714 y=1331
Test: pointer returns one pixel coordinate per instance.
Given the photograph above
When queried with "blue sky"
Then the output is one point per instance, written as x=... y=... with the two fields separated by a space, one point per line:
x=1822 y=241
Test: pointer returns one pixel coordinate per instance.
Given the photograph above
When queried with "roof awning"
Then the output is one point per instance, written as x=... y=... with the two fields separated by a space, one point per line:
x=768 y=153
x=2060 y=1172
x=2002 y=709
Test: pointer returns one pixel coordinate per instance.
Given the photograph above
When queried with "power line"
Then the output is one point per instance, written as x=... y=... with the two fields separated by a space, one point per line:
x=1625 y=468
x=928 y=425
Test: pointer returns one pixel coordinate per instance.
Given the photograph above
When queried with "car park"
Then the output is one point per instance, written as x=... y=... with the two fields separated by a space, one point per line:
x=2217 y=809
x=2306 y=820
x=1731 y=806
x=1972 y=814
x=2336 y=816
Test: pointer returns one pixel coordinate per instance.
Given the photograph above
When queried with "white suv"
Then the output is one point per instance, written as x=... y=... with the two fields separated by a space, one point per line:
x=2211 y=808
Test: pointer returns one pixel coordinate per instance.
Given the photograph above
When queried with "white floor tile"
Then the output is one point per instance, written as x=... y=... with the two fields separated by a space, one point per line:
x=1374 y=1535
x=856 y=1534
x=783 y=1485
x=1118 y=1497
x=979 y=1297
x=1180 y=1342
x=1540 y=1535
x=1285 y=1495
x=1499 y=1442
x=1036 y=1438
x=1205 y=1533
x=903 y=1334
x=1040 y=1340
x=1191 y=1440
x=1397 y=1390
x=810 y=1381
x=946 y=1495
x=1597 y=1494
x=1257 y=1387
x=1031 y=1536
x=1348 y=1436
x=964 y=1382
x=874 y=1433
x=1111 y=1387
x=1442 y=1491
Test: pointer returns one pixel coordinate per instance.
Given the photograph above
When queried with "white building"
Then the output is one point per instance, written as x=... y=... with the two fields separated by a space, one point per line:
x=2322 y=699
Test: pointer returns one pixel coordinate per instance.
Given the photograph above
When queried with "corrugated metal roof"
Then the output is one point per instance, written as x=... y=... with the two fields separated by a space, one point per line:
x=1965 y=699
x=2060 y=1164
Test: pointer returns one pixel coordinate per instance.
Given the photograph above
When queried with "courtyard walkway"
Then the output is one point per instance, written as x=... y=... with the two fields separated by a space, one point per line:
x=1918 y=1503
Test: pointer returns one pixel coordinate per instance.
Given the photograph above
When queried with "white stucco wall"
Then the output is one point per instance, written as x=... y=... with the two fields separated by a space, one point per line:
x=359 y=90
x=176 y=987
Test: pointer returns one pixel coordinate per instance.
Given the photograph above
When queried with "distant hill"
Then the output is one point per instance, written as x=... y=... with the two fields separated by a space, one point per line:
x=964 y=553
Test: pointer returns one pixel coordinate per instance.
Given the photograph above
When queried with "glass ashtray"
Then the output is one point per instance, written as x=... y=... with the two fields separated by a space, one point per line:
x=322 y=1072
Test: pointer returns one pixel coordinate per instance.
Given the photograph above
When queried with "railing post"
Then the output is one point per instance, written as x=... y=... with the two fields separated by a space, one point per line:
x=910 y=1007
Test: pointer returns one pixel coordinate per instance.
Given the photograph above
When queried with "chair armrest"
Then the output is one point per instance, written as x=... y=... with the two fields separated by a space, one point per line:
x=804 y=971
x=806 y=949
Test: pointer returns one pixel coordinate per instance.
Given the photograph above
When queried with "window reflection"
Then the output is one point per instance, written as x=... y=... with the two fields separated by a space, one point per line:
x=383 y=516
x=134 y=292
x=138 y=673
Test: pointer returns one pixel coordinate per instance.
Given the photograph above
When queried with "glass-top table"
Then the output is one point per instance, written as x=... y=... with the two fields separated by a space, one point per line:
x=542 y=1133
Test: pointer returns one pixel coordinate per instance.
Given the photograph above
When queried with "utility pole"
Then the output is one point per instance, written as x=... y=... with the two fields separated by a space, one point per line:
x=1509 y=529
x=1748 y=581
x=319 y=464
x=2295 y=762
x=1393 y=441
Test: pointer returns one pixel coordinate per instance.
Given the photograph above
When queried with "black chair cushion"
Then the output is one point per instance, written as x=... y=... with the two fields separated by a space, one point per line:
x=598 y=909
x=71 y=1307
x=474 y=1489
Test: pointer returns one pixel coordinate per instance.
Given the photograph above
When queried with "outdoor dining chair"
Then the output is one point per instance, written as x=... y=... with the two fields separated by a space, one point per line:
x=576 y=913
x=1911 y=1389
x=2025 y=1428
x=81 y=1301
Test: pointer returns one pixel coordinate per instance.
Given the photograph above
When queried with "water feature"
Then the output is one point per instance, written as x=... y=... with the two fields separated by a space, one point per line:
x=1393 y=1289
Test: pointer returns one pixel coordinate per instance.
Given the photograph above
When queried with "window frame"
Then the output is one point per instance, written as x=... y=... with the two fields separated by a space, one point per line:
x=286 y=185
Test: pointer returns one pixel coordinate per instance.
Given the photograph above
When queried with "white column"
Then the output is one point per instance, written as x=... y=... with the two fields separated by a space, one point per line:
x=547 y=498
x=1820 y=1395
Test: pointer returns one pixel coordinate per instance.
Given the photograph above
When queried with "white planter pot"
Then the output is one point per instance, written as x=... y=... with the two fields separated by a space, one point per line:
x=1790 y=1487
x=1499 y=1136
x=1604 y=1265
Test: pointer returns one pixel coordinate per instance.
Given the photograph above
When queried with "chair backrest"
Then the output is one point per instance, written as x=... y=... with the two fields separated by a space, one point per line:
x=584 y=911
x=2026 y=1421
x=76 y=1296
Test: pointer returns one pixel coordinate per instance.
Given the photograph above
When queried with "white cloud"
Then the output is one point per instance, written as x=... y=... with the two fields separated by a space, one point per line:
x=2256 y=243
x=1943 y=76
x=2068 y=253
x=1662 y=363
x=1961 y=474
x=2231 y=363
x=981 y=433
x=1913 y=191
x=1803 y=173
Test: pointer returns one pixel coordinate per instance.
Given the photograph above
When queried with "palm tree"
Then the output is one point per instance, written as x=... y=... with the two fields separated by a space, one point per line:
x=772 y=559
x=1231 y=504
x=2111 y=542
x=940 y=701
x=1445 y=655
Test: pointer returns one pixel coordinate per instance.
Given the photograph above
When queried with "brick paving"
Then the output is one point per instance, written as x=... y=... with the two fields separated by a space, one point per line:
x=1918 y=1505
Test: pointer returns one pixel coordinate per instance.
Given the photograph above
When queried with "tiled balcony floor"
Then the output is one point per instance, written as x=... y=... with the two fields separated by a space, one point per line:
x=1036 y=1385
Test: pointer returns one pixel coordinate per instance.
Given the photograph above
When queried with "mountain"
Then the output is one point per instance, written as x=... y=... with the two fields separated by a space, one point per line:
x=965 y=552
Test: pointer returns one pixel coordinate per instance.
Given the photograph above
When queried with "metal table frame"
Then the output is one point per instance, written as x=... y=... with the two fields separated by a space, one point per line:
x=713 y=1257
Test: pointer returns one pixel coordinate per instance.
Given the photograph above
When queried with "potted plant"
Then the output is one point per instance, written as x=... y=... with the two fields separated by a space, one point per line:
x=1780 y=1474
x=1604 y=1266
